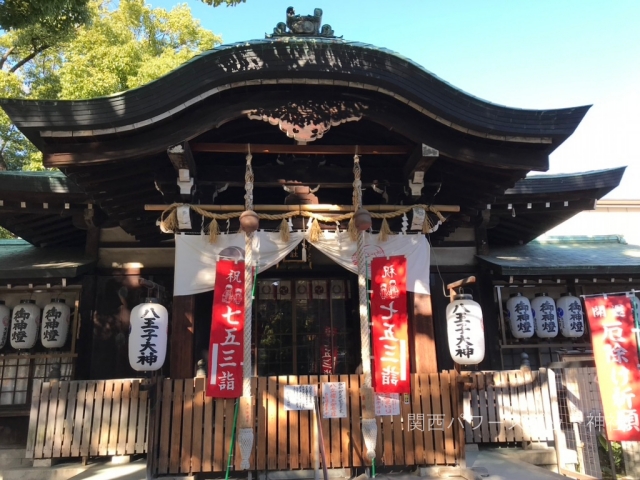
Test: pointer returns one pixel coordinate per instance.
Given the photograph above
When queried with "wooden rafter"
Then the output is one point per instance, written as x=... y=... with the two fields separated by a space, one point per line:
x=310 y=149
x=306 y=208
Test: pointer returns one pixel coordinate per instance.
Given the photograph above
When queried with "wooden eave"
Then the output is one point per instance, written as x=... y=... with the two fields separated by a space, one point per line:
x=261 y=65
x=538 y=203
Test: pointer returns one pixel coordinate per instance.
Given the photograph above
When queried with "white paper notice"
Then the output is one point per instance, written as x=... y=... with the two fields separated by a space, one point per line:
x=387 y=404
x=299 y=397
x=334 y=400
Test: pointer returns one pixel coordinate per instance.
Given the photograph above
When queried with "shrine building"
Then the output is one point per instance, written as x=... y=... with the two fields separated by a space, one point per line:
x=341 y=152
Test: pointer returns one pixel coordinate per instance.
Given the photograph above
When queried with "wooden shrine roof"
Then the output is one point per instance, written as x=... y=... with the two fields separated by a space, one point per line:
x=566 y=256
x=48 y=209
x=260 y=66
x=538 y=203
x=20 y=260
x=116 y=150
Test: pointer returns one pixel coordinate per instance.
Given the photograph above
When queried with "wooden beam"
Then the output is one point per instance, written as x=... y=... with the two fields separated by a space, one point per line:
x=422 y=158
x=182 y=337
x=457 y=284
x=278 y=175
x=182 y=158
x=53 y=210
x=306 y=208
x=310 y=149
x=424 y=358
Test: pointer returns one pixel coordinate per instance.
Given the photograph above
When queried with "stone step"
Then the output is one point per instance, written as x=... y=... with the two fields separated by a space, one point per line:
x=70 y=471
x=14 y=458
x=58 y=472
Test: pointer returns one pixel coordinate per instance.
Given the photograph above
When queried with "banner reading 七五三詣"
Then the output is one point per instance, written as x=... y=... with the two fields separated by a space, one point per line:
x=389 y=318
x=227 y=327
x=616 y=354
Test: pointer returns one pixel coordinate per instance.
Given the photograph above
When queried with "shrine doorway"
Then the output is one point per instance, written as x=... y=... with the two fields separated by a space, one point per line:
x=306 y=326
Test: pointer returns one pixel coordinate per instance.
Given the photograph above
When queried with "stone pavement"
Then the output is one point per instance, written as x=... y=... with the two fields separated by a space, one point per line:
x=501 y=467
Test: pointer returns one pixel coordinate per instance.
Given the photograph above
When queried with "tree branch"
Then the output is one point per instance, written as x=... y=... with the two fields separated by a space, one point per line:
x=28 y=58
x=6 y=56
x=3 y=164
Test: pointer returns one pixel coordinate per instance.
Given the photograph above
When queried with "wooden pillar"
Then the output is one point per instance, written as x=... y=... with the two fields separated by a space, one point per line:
x=84 y=333
x=424 y=358
x=181 y=360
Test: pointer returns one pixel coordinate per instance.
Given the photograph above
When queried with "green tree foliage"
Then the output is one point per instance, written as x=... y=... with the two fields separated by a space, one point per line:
x=54 y=14
x=115 y=49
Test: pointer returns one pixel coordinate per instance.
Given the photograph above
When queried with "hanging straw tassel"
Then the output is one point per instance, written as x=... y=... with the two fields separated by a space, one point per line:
x=385 y=231
x=426 y=225
x=353 y=231
x=214 y=231
x=315 y=231
x=170 y=224
x=284 y=230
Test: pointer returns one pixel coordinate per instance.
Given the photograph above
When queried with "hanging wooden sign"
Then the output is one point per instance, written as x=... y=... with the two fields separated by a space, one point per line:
x=389 y=317
x=611 y=320
x=227 y=330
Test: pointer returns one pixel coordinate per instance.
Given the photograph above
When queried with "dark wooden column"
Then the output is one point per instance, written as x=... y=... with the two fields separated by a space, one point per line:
x=423 y=358
x=84 y=345
x=181 y=358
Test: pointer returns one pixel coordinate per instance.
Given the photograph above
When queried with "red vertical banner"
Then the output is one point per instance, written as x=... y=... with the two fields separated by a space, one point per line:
x=227 y=331
x=616 y=353
x=390 y=332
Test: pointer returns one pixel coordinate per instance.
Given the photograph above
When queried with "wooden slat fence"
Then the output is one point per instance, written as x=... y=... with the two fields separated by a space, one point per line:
x=507 y=406
x=194 y=431
x=87 y=418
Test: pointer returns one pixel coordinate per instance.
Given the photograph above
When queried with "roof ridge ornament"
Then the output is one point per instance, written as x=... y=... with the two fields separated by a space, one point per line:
x=303 y=25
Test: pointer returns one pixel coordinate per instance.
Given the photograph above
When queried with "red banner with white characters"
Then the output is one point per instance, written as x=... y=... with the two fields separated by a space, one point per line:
x=227 y=330
x=389 y=317
x=616 y=353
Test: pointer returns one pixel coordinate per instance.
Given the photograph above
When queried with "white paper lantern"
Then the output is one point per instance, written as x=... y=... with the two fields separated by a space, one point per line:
x=465 y=330
x=570 y=316
x=5 y=322
x=25 y=321
x=55 y=324
x=545 y=316
x=518 y=313
x=149 y=323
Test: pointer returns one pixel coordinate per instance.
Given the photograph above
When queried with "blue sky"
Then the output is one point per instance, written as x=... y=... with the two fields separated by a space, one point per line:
x=520 y=53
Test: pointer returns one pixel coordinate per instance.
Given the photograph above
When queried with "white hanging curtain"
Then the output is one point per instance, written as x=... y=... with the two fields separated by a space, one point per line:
x=340 y=248
x=195 y=266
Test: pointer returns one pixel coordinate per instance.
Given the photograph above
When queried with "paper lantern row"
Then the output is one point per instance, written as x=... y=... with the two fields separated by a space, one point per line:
x=22 y=324
x=544 y=317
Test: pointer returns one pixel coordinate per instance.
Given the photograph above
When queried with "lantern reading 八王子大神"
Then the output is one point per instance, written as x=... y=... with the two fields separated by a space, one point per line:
x=25 y=321
x=55 y=324
x=148 y=336
x=465 y=330
x=518 y=312
x=5 y=320
x=543 y=309
x=570 y=316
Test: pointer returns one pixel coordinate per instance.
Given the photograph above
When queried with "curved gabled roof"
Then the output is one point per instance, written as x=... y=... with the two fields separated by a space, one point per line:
x=316 y=61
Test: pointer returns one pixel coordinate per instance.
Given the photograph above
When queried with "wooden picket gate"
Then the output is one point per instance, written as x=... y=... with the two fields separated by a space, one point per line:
x=192 y=433
x=87 y=418
x=507 y=406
